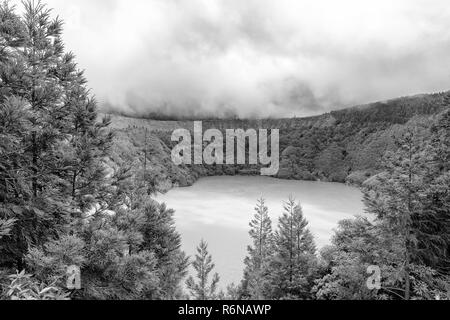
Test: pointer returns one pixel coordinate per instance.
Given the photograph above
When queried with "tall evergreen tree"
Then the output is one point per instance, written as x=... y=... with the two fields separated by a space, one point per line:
x=397 y=201
x=409 y=201
x=32 y=94
x=434 y=226
x=202 y=289
x=409 y=237
x=294 y=259
x=255 y=283
x=159 y=234
x=60 y=202
x=87 y=144
x=52 y=170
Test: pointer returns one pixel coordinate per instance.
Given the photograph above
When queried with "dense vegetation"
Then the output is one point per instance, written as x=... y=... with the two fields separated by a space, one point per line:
x=406 y=236
x=60 y=203
x=76 y=190
x=342 y=146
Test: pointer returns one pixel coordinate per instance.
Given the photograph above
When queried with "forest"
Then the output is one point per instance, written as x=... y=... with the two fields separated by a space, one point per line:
x=76 y=189
x=345 y=146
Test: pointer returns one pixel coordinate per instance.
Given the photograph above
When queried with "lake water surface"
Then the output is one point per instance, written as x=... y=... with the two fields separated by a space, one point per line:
x=219 y=209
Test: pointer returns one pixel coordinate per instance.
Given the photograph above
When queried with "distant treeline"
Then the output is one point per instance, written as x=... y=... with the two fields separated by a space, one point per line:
x=342 y=146
x=396 y=110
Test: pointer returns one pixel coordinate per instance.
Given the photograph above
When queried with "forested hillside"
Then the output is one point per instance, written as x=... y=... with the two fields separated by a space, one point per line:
x=342 y=146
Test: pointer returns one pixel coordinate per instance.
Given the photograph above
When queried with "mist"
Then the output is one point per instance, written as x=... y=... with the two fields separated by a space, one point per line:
x=256 y=58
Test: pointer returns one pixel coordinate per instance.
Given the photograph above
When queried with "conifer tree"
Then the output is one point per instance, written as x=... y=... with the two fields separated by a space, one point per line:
x=294 y=259
x=59 y=207
x=434 y=225
x=203 y=289
x=409 y=237
x=396 y=199
x=255 y=281
x=159 y=234
x=88 y=144
x=32 y=94
x=399 y=202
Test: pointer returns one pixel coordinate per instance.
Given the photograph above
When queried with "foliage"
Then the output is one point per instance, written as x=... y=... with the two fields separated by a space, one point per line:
x=408 y=235
x=5 y=227
x=76 y=190
x=255 y=283
x=203 y=289
x=23 y=287
x=294 y=262
x=342 y=146
x=63 y=200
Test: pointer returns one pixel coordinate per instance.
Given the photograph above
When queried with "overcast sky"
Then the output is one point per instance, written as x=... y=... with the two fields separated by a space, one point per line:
x=257 y=57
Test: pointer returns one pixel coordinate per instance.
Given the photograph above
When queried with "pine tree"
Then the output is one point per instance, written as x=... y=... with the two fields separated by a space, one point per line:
x=203 y=265
x=58 y=205
x=257 y=262
x=157 y=227
x=32 y=94
x=396 y=201
x=88 y=143
x=294 y=259
x=399 y=202
x=434 y=225
x=409 y=237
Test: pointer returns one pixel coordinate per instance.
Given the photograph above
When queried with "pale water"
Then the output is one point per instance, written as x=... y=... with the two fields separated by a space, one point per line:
x=219 y=209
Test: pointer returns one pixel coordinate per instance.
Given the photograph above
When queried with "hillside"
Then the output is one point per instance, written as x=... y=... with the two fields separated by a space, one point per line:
x=341 y=146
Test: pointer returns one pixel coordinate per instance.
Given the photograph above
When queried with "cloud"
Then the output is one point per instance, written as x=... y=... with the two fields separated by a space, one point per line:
x=257 y=57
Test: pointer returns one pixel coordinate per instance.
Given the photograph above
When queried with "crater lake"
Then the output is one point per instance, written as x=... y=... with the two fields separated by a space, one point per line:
x=219 y=210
